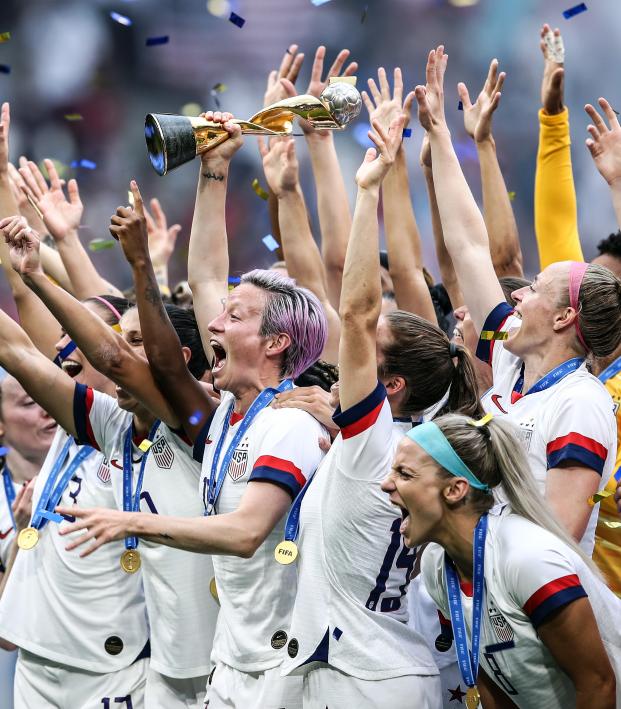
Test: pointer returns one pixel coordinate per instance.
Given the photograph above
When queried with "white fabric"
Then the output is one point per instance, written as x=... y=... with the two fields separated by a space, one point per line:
x=327 y=687
x=522 y=559
x=182 y=612
x=63 y=607
x=233 y=689
x=257 y=594
x=578 y=404
x=174 y=693
x=353 y=564
x=42 y=683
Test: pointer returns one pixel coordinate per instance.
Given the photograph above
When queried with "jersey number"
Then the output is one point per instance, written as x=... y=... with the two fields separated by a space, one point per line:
x=501 y=679
x=405 y=560
x=149 y=502
x=118 y=700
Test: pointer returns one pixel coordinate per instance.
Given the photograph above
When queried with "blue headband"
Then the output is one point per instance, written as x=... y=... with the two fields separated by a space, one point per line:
x=431 y=439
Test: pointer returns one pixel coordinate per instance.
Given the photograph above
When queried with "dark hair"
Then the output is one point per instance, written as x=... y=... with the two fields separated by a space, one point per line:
x=611 y=245
x=443 y=307
x=121 y=305
x=422 y=354
x=321 y=374
x=510 y=284
x=186 y=327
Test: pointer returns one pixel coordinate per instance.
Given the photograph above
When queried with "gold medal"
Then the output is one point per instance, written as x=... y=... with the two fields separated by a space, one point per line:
x=286 y=552
x=28 y=538
x=214 y=590
x=472 y=698
x=130 y=561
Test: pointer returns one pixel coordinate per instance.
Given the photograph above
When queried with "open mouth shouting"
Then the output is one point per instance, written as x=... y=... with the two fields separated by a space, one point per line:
x=71 y=367
x=219 y=356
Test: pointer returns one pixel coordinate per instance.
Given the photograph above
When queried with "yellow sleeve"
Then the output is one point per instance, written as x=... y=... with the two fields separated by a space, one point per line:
x=556 y=215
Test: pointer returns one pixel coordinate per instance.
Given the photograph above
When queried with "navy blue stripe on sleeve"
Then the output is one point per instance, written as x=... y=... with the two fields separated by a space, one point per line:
x=494 y=321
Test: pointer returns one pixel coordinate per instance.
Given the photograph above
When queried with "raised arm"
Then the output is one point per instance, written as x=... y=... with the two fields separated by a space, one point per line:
x=504 y=240
x=105 y=349
x=556 y=213
x=463 y=226
x=605 y=148
x=299 y=248
x=185 y=396
x=332 y=200
x=361 y=298
x=405 y=253
x=62 y=217
x=33 y=315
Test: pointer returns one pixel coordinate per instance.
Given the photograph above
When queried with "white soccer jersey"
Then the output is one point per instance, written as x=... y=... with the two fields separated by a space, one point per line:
x=7 y=532
x=85 y=613
x=571 y=420
x=351 y=609
x=182 y=613
x=529 y=574
x=256 y=595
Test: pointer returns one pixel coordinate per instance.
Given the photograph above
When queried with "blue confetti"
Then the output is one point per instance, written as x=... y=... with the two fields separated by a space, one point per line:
x=270 y=242
x=360 y=134
x=3 y=451
x=336 y=633
x=573 y=11
x=234 y=280
x=460 y=106
x=121 y=19
x=317 y=3
x=154 y=41
x=87 y=164
x=5 y=69
x=237 y=20
x=195 y=418
x=407 y=132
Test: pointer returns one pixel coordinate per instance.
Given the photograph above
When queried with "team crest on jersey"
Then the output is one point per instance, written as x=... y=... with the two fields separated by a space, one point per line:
x=103 y=473
x=503 y=630
x=239 y=461
x=525 y=433
x=162 y=453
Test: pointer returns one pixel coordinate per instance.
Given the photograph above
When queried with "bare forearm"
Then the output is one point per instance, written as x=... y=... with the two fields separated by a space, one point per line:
x=615 y=193
x=405 y=255
x=498 y=214
x=84 y=277
x=54 y=267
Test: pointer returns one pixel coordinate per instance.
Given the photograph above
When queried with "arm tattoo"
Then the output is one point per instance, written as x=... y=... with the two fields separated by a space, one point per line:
x=212 y=176
x=163 y=535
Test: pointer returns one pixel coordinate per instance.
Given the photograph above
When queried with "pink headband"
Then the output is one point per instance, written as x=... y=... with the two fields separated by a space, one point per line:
x=108 y=305
x=576 y=274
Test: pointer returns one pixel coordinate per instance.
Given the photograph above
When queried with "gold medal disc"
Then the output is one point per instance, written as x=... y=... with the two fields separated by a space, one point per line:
x=130 y=561
x=286 y=552
x=28 y=538
x=214 y=590
x=472 y=698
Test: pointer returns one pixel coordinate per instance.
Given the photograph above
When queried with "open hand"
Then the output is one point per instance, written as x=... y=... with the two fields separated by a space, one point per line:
x=102 y=525
x=430 y=97
x=280 y=164
x=605 y=143
x=24 y=244
x=478 y=115
x=289 y=69
x=383 y=108
x=162 y=238
x=378 y=161
x=553 y=52
x=314 y=400
x=5 y=124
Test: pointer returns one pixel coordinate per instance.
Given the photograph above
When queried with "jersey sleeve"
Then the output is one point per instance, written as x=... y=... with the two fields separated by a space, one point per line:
x=540 y=576
x=289 y=451
x=366 y=430
x=99 y=421
x=581 y=430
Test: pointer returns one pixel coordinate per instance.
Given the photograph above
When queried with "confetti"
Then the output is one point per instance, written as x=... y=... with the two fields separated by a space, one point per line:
x=87 y=164
x=460 y=106
x=73 y=116
x=599 y=496
x=5 y=36
x=511 y=196
x=121 y=19
x=3 y=450
x=145 y=445
x=317 y=3
x=234 y=280
x=195 y=418
x=493 y=335
x=407 y=132
x=364 y=14
x=237 y=20
x=154 y=41
x=575 y=10
x=101 y=244
x=260 y=192
x=191 y=109
x=5 y=69
x=270 y=242
x=219 y=87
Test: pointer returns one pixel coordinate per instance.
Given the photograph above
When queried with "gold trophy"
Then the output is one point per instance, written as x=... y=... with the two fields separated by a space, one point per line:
x=175 y=140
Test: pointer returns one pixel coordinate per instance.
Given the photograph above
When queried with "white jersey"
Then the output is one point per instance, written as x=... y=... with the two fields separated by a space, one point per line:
x=82 y=612
x=572 y=420
x=529 y=574
x=256 y=595
x=7 y=531
x=182 y=612
x=354 y=569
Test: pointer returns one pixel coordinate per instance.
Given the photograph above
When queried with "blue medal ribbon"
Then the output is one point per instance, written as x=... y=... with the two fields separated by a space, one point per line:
x=292 y=524
x=9 y=491
x=550 y=378
x=54 y=487
x=64 y=353
x=131 y=501
x=216 y=477
x=610 y=371
x=468 y=661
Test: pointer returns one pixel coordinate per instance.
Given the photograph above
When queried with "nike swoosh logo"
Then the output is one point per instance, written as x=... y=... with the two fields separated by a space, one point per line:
x=4 y=535
x=495 y=398
x=208 y=441
x=115 y=462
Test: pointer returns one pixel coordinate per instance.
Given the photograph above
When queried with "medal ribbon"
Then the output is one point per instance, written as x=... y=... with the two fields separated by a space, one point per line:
x=9 y=491
x=216 y=477
x=54 y=488
x=610 y=371
x=131 y=502
x=550 y=378
x=292 y=524
x=64 y=353
x=468 y=661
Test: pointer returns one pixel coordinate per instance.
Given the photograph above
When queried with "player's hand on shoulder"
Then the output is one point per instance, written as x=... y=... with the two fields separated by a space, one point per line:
x=314 y=400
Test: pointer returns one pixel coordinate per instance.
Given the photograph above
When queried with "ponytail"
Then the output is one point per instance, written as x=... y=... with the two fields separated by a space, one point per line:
x=464 y=393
